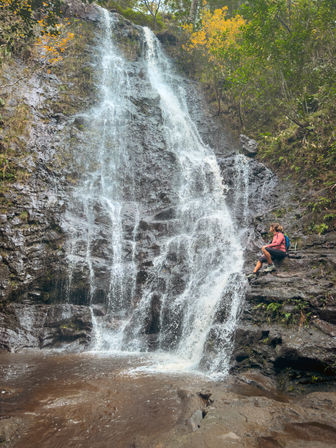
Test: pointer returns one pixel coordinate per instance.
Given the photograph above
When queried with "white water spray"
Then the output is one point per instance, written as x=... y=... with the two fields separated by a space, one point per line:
x=195 y=283
x=98 y=244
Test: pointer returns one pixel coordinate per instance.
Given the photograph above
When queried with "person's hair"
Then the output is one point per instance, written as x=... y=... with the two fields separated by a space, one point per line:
x=277 y=227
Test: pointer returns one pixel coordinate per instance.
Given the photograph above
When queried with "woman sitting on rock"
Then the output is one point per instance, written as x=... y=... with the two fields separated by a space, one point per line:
x=274 y=251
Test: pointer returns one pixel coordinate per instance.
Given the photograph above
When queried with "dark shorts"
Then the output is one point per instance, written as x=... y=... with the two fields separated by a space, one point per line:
x=275 y=255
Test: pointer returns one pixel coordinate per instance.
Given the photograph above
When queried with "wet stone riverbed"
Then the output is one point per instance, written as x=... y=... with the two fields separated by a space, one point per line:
x=53 y=400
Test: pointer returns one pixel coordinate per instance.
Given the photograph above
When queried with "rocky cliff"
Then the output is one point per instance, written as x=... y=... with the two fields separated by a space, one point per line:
x=287 y=327
x=38 y=122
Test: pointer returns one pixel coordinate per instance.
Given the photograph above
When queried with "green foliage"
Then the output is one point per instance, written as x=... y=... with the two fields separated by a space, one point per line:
x=280 y=213
x=135 y=11
x=7 y=169
x=273 y=308
x=280 y=85
x=320 y=228
x=24 y=216
x=316 y=379
x=329 y=217
x=322 y=203
x=287 y=316
x=322 y=219
x=289 y=312
x=137 y=17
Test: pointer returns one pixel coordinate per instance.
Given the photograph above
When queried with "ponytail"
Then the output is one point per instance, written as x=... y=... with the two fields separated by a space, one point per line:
x=277 y=227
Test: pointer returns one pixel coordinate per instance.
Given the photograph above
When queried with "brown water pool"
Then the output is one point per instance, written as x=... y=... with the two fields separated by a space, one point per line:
x=55 y=400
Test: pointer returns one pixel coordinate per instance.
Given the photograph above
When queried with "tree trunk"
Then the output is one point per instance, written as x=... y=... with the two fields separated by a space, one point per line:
x=193 y=11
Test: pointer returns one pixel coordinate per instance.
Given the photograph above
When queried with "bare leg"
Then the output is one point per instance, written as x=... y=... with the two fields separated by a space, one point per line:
x=267 y=255
x=258 y=266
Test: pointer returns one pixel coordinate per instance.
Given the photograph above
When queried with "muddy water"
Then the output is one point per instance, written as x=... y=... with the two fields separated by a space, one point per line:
x=90 y=401
x=86 y=401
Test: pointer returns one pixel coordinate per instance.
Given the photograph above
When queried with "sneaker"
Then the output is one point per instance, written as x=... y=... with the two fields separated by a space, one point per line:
x=252 y=276
x=270 y=268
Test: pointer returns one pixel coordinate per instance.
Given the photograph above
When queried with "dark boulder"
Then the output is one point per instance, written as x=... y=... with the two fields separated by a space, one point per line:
x=248 y=146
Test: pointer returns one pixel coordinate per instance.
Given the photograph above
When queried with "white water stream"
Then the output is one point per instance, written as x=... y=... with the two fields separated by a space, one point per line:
x=95 y=221
x=199 y=261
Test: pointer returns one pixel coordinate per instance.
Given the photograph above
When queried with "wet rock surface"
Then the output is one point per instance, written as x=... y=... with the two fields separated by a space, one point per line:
x=81 y=10
x=251 y=188
x=29 y=326
x=287 y=324
x=36 y=220
x=37 y=126
x=91 y=402
x=248 y=146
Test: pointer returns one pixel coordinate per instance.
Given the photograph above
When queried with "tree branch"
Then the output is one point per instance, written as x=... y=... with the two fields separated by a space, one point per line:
x=283 y=23
x=294 y=120
x=4 y=86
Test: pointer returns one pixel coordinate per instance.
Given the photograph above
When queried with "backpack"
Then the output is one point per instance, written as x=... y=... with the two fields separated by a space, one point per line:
x=287 y=242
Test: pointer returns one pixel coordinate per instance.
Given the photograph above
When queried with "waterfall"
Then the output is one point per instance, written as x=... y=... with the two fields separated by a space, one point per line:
x=148 y=227
x=97 y=213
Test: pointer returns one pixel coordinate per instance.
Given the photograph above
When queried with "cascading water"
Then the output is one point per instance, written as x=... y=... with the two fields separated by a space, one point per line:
x=188 y=300
x=98 y=248
x=204 y=242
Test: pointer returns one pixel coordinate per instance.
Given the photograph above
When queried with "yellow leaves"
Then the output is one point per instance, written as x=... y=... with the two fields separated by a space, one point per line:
x=53 y=44
x=6 y=3
x=188 y=27
x=16 y=6
x=217 y=40
x=198 y=39
x=38 y=20
x=217 y=33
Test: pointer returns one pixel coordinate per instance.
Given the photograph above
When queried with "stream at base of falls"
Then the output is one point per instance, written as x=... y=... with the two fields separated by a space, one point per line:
x=51 y=400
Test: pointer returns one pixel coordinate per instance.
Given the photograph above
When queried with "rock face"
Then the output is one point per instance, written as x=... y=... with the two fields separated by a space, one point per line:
x=44 y=326
x=287 y=323
x=150 y=184
x=287 y=326
x=37 y=120
x=251 y=187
